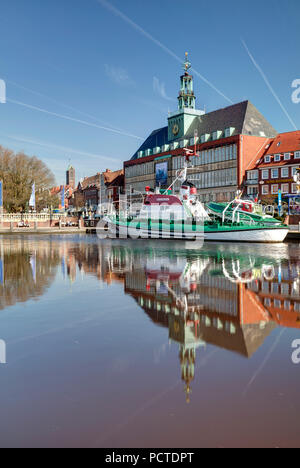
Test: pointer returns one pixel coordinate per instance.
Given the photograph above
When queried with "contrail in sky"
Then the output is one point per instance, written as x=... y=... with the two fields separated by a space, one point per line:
x=59 y=148
x=139 y=29
x=63 y=105
x=83 y=122
x=268 y=84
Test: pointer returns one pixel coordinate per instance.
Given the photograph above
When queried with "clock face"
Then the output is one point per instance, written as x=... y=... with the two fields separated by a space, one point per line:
x=175 y=129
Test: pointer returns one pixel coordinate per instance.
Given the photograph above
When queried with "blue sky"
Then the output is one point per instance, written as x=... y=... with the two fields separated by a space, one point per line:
x=88 y=82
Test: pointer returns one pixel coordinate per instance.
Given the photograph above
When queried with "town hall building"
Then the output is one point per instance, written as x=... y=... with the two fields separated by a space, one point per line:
x=227 y=141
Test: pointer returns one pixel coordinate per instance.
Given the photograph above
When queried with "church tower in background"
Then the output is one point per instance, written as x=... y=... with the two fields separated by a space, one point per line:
x=70 y=179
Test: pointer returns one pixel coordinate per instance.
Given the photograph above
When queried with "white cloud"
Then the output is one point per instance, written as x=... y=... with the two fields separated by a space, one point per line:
x=160 y=89
x=118 y=75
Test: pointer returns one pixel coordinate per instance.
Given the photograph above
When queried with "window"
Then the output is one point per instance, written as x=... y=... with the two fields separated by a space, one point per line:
x=274 y=173
x=267 y=159
x=275 y=189
x=285 y=188
x=294 y=171
x=287 y=156
x=252 y=175
x=297 y=154
x=294 y=188
x=265 y=174
x=229 y=131
x=265 y=190
x=285 y=172
x=277 y=157
x=252 y=190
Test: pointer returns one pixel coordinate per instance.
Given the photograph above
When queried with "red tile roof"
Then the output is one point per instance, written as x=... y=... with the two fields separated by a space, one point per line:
x=283 y=143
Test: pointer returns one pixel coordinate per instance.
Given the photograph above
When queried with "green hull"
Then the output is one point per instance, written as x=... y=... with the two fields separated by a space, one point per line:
x=218 y=209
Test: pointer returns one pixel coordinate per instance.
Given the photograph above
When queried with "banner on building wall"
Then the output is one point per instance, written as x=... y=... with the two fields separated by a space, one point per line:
x=32 y=198
x=161 y=174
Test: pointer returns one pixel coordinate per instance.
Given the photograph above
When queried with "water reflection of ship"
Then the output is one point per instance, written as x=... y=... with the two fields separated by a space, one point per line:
x=211 y=299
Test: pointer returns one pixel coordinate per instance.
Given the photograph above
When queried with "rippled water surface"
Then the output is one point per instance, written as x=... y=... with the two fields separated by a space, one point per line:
x=148 y=343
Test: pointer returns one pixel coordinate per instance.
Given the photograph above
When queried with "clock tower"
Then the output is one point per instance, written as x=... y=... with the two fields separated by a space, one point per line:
x=180 y=121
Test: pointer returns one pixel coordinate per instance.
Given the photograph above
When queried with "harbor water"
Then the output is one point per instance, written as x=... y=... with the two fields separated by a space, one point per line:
x=116 y=343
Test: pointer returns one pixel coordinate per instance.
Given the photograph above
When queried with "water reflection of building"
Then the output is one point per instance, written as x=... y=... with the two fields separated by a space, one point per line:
x=214 y=296
x=280 y=296
x=225 y=299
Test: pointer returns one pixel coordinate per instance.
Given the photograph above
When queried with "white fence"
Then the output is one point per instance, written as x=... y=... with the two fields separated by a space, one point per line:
x=30 y=217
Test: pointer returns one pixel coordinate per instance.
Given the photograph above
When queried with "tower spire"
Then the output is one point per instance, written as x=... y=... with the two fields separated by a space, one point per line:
x=186 y=98
x=187 y=64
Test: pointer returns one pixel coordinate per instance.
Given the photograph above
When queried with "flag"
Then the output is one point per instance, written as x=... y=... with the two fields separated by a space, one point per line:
x=32 y=198
x=63 y=198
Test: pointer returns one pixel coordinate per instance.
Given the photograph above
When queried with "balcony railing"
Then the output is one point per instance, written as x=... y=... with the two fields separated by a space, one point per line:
x=252 y=182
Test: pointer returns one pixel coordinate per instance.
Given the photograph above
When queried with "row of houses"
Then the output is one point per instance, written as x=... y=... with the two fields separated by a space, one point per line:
x=105 y=187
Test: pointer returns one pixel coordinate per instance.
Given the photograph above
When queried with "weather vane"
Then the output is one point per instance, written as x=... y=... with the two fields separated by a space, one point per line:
x=187 y=64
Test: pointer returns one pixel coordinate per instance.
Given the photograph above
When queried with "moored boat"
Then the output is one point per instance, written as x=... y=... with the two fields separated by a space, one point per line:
x=184 y=217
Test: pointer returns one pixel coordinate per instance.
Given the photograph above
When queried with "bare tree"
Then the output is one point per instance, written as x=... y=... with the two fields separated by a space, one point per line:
x=18 y=173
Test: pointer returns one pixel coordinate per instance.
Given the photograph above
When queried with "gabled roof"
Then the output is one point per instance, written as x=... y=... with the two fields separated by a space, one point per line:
x=243 y=117
x=93 y=181
x=283 y=143
x=111 y=178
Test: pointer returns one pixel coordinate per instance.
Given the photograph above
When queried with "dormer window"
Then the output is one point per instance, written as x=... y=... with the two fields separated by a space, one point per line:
x=287 y=156
x=297 y=154
x=277 y=157
x=229 y=132
x=267 y=159
x=216 y=135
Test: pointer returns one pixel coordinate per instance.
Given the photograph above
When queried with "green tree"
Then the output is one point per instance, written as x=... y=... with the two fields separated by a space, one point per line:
x=18 y=173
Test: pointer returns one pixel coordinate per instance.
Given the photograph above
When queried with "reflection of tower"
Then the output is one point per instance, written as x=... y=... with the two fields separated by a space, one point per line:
x=70 y=177
x=183 y=330
x=187 y=356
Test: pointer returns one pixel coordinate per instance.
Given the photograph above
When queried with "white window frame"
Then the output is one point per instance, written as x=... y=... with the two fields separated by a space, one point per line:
x=265 y=190
x=282 y=188
x=263 y=172
x=277 y=157
x=287 y=156
x=297 y=154
x=252 y=175
x=272 y=172
x=267 y=159
x=282 y=172
x=272 y=189
x=294 y=188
